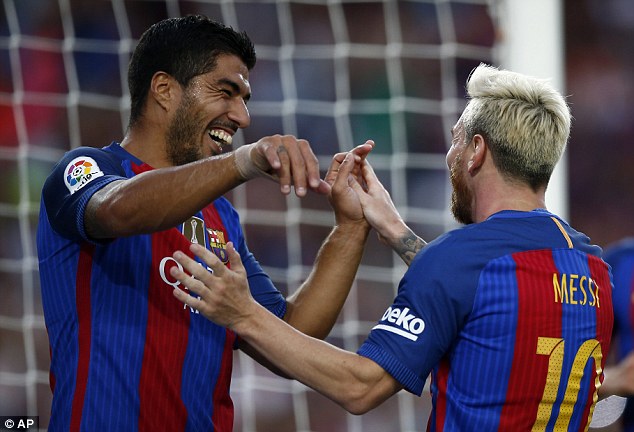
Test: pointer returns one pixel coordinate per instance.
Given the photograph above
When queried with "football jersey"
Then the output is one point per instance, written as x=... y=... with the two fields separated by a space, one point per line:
x=620 y=256
x=512 y=317
x=125 y=354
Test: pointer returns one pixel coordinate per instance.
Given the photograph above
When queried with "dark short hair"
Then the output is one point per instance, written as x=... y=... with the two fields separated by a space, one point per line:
x=184 y=48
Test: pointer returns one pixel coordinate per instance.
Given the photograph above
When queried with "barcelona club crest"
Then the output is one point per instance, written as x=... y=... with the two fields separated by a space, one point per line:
x=218 y=244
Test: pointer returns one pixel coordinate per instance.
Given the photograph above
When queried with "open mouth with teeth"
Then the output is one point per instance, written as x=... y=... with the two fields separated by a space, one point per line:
x=220 y=137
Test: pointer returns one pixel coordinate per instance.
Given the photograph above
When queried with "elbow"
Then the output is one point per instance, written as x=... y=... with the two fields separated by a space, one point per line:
x=357 y=409
x=358 y=399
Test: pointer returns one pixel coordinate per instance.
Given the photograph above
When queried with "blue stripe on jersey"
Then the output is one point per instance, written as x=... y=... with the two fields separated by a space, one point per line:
x=199 y=378
x=119 y=304
x=490 y=363
x=578 y=325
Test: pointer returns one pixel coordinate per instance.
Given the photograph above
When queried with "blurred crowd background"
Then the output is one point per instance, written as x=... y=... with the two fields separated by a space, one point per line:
x=46 y=109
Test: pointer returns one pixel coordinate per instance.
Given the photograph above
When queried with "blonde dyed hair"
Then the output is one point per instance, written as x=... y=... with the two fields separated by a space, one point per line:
x=524 y=121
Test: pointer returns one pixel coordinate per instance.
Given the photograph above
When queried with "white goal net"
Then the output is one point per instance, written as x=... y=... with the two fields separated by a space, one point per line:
x=336 y=72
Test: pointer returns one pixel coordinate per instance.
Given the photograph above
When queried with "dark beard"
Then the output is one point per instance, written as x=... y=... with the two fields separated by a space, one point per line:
x=460 y=194
x=182 y=134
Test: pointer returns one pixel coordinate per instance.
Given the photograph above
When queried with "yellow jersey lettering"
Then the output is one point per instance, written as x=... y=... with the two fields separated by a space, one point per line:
x=575 y=289
x=595 y=294
x=560 y=291
x=583 y=285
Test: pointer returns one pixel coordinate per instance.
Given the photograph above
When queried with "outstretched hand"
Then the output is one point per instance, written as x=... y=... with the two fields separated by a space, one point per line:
x=223 y=293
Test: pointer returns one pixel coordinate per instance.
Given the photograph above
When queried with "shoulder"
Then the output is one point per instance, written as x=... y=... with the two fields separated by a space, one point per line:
x=87 y=155
x=460 y=255
x=460 y=245
x=86 y=161
x=81 y=166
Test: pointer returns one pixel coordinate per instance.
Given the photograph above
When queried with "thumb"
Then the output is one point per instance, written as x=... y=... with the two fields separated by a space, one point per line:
x=234 y=259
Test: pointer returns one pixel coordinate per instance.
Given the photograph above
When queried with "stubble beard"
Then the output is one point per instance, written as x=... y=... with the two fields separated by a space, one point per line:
x=182 y=137
x=461 y=196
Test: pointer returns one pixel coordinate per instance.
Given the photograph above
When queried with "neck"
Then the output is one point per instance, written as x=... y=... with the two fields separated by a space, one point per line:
x=507 y=197
x=147 y=146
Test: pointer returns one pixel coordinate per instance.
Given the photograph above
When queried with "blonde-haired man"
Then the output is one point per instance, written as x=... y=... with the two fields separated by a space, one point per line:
x=510 y=314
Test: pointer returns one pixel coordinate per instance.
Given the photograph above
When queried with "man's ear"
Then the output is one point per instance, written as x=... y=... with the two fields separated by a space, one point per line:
x=477 y=155
x=162 y=89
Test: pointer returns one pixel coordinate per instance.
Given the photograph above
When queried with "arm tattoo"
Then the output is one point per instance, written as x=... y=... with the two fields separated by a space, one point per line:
x=408 y=246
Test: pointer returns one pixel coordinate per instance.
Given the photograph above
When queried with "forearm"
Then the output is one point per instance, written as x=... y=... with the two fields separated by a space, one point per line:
x=159 y=199
x=314 y=307
x=404 y=242
x=354 y=382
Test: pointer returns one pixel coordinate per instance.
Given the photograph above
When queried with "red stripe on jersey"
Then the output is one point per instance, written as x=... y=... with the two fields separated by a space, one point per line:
x=441 y=376
x=222 y=417
x=82 y=302
x=51 y=376
x=538 y=316
x=166 y=337
x=138 y=169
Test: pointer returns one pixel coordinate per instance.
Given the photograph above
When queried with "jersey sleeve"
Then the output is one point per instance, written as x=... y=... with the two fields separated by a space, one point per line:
x=262 y=288
x=71 y=184
x=431 y=306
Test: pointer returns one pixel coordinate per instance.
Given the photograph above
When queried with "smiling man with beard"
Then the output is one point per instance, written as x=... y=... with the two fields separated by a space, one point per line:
x=126 y=355
x=511 y=314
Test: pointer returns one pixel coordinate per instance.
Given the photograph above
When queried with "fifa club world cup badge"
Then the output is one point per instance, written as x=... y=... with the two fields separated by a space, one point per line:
x=194 y=230
x=79 y=172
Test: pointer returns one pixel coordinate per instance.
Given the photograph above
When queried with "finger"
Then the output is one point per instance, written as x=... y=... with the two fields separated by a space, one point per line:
x=361 y=152
x=333 y=170
x=188 y=282
x=270 y=154
x=192 y=267
x=209 y=258
x=234 y=259
x=369 y=176
x=284 y=170
x=345 y=169
x=311 y=163
x=187 y=299
x=297 y=167
x=364 y=149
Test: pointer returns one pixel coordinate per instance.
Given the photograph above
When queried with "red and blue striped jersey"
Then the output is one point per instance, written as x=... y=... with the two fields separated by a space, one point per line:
x=512 y=317
x=125 y=354
x=620 y=256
